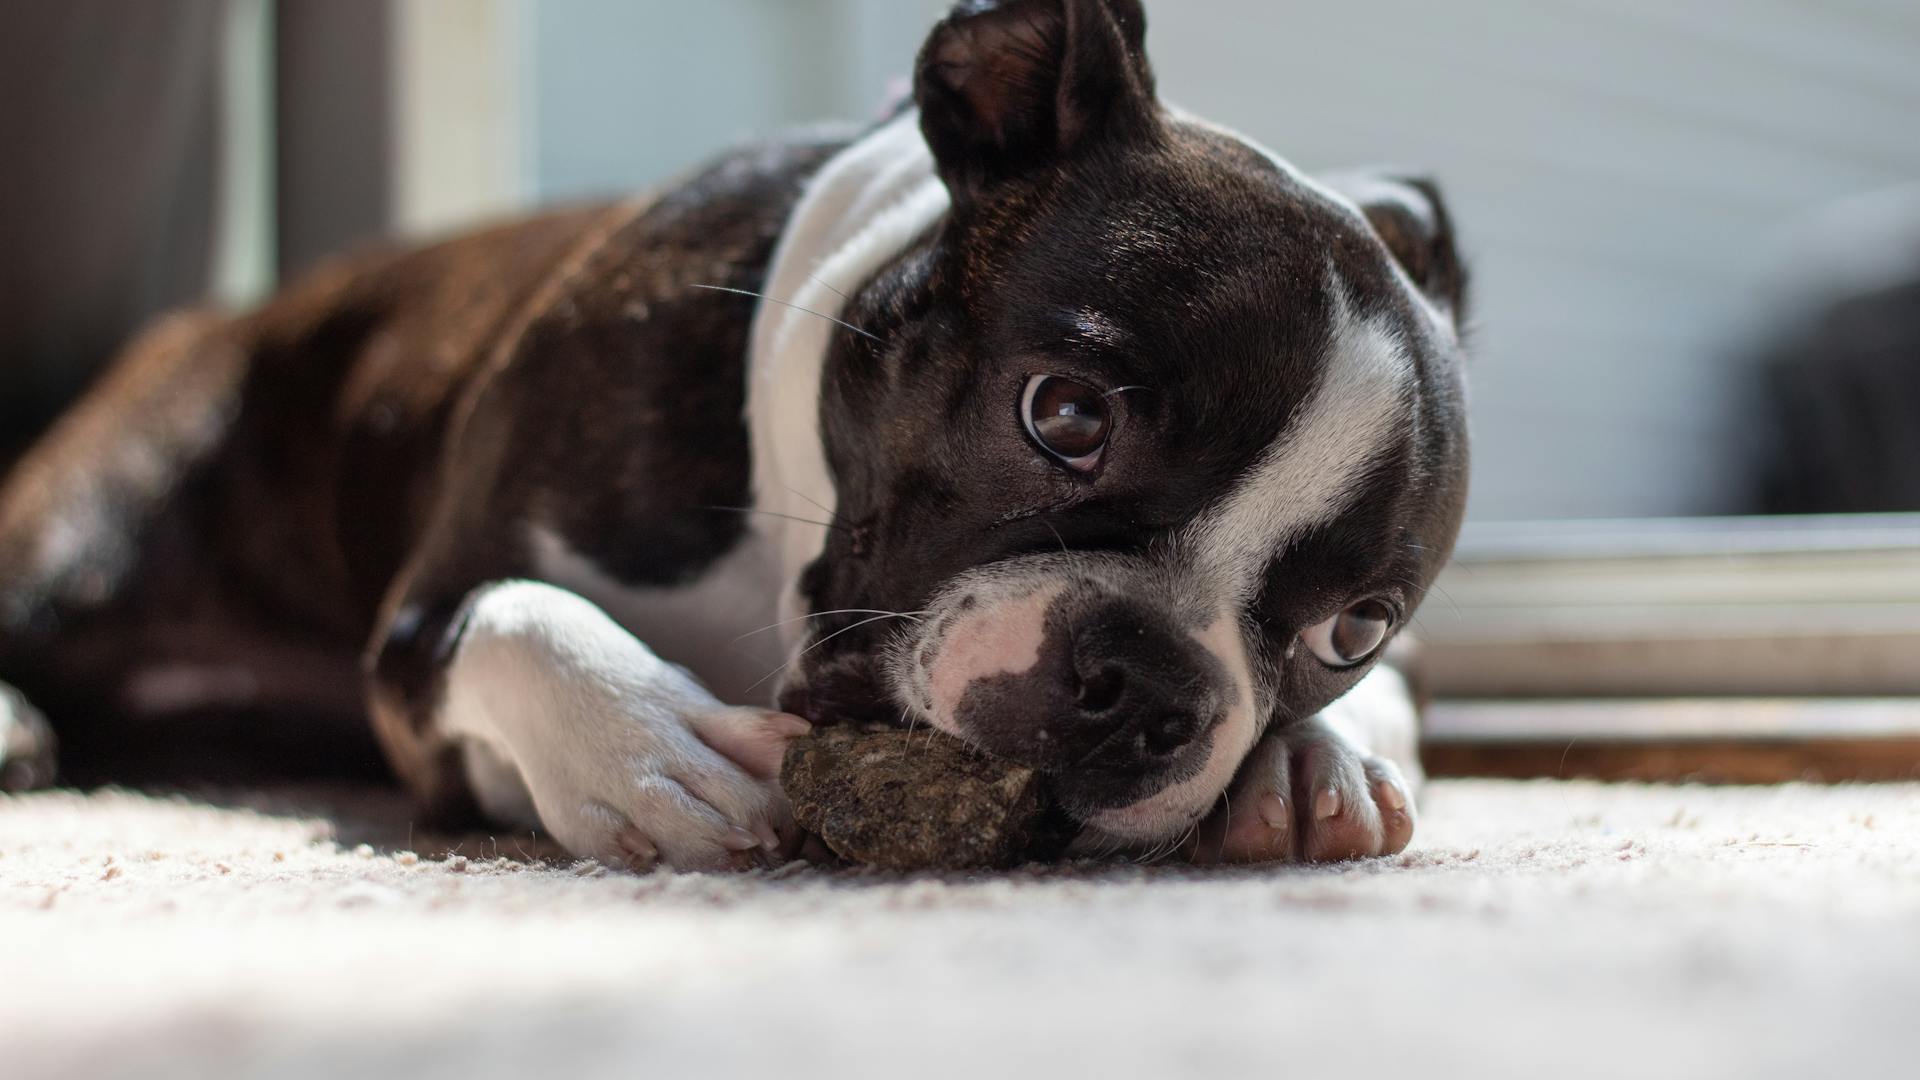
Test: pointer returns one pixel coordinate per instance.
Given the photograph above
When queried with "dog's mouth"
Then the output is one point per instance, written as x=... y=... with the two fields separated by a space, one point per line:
x=1137 y=716
x=1113 y=809
x=848 y=687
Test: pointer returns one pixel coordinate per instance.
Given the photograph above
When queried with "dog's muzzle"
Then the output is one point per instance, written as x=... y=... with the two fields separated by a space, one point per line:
x=1135 y=716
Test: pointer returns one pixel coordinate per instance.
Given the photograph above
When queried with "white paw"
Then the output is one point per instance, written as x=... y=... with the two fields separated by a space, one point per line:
x=624 y=757
x=26 y=744
x=692 y=791
x=1310 y=794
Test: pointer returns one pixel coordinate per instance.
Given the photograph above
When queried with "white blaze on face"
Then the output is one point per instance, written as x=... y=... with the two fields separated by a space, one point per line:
x=1313 y=472
x=1308 y=477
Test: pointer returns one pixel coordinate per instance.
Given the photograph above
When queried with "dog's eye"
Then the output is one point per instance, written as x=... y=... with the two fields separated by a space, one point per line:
x=1068 y=419
x=1351 y=636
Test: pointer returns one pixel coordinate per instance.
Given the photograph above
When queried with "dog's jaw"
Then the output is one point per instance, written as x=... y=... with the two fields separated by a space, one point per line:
x=992 y=623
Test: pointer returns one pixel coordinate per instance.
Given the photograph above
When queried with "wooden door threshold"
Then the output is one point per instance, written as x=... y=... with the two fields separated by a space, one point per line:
x=1709 y=740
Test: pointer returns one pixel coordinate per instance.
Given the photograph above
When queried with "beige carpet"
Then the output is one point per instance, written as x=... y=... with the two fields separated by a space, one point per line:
x=1545 y=929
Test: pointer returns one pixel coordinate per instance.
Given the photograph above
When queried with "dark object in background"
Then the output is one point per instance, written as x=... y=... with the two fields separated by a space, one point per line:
x=1843 y=403
x=108 y=113
x=919 y=800
x=333 y=127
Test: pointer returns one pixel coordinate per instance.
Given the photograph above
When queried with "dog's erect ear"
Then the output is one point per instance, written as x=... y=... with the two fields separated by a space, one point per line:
x=1006 y=87
x=1407 y=213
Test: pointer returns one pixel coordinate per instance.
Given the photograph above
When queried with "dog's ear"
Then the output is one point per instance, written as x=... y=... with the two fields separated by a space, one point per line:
x=1006 y=87
x=1409 y=216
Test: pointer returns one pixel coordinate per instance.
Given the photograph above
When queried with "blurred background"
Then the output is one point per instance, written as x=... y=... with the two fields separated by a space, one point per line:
x=1695 y=227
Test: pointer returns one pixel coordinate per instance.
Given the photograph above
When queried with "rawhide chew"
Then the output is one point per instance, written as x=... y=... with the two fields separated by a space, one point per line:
x=919 y=800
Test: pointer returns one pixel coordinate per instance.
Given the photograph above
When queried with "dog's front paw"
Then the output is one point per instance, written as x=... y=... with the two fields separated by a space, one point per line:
x=695 y=791
x=1310 y=794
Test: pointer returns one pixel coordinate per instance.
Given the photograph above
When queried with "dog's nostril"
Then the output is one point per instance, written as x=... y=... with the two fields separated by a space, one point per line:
x=1170 y=732
x=1100 y=691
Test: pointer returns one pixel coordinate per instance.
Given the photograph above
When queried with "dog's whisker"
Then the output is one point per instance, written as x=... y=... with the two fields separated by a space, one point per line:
x=1193 y=831
x=828 y=285
x=1176 y=844
x=1167 y=848
x=824 y=614
x=796 y=307
x=1121 y=389
x=912 y=615
x=1226 y=817
x=830 y=511
x=777 y=514
x=1164 y=848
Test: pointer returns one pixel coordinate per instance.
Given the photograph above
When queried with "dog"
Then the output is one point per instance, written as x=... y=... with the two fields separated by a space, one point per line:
x=1043 y=414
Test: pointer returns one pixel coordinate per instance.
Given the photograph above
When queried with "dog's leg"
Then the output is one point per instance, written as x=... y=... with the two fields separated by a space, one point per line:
x=623 y=756
x=1340 y=785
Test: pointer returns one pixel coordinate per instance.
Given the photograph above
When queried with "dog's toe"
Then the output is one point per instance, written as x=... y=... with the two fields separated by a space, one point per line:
x=1394 y=803
x=633 y=849
x=1257 y=822
x=754 y=739
x=709 y=822
x=694 y=789
x=1340 y=820
x=664 y=824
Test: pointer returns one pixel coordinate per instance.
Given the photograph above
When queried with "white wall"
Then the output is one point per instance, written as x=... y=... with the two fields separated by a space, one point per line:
x=631 y=92
x=459 y=126
x=1619 y=169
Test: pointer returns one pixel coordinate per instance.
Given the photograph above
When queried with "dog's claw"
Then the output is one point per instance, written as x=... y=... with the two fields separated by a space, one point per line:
x=1326 y=804
x=739 y=839
x=1273 y=810
x=1396 y=808
x=1388 y=793
x=637 y=852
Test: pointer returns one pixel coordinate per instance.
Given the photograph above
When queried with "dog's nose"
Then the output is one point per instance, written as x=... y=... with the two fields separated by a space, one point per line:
x=1138 y=699
x=1121 y=703
x=1138 y=689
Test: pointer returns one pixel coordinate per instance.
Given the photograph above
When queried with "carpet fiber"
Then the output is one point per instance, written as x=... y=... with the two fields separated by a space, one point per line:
x=1561 y=929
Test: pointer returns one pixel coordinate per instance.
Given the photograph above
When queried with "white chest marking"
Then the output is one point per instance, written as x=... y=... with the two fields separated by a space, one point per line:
x=859 y=213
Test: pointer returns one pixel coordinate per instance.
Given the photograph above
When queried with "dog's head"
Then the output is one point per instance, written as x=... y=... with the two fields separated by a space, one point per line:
x=1154 y=442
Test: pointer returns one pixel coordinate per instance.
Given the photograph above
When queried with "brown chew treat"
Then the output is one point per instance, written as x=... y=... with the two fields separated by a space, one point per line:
x=918 y=800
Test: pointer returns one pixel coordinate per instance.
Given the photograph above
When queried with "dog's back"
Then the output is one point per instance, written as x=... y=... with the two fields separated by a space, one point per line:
x=214 y=522
x=213 y=533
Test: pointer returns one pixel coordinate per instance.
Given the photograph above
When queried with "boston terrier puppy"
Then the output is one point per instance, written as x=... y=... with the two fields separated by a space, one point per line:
x=1043 y=414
